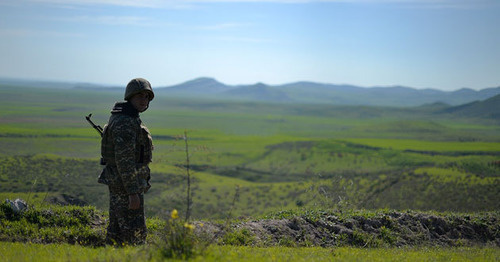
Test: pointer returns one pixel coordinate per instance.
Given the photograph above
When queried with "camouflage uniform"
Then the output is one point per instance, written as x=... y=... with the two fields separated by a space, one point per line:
x=127 y=150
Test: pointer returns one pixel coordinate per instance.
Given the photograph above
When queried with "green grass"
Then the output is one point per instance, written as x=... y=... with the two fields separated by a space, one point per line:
x=53 y=224
x=422 y=145
x=275 y=175
x=64 y=252
x=83 y=228
x=43 y=108
x=33 y=198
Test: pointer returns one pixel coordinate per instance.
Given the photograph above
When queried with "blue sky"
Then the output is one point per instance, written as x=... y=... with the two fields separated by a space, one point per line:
x=442 y=44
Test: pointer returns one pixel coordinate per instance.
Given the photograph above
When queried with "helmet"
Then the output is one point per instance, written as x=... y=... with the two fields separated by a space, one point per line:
x=138 y=85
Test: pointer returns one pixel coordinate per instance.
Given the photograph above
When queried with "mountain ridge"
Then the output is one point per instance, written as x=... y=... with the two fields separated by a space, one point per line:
x=300 y=92
x=324 y=93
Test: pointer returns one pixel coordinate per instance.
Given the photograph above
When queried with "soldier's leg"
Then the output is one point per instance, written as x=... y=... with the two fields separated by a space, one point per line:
x=118 y=206
x=134 y=225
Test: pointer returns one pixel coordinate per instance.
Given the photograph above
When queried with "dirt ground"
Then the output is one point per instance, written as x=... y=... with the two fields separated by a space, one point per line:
x=383 y=229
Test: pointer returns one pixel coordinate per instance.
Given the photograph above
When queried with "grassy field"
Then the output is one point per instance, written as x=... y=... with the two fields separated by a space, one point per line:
x=442 y=147
x=65 y=252
x=71 y=233
x=264 y=158
x=280 y=156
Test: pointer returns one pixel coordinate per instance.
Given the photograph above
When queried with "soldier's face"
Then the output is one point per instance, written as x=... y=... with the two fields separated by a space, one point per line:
x=140 y=101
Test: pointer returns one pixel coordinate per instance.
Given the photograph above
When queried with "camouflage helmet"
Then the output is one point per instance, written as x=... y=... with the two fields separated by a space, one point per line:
x=138 y=85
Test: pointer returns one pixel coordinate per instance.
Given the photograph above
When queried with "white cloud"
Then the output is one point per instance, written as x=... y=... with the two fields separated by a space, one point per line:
x=132 y=3
x=35 y=33
x=110 y=20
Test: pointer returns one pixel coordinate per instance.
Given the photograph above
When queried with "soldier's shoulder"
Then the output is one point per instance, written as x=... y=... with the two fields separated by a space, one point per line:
x=121 y=122
x=123 y=119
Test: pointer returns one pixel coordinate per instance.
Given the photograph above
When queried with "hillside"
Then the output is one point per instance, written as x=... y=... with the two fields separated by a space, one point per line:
x=275 y=155
x=489 y=108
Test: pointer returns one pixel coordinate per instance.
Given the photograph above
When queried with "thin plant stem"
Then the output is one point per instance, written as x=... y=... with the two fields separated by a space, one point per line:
x=189 y=201
x=235 y=198
x=29 y=194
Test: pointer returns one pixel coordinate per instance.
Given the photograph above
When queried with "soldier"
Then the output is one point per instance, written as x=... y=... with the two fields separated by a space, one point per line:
x=126 y=148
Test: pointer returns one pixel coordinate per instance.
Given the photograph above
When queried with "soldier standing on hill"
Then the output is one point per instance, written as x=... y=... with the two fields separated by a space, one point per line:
x=126 y=148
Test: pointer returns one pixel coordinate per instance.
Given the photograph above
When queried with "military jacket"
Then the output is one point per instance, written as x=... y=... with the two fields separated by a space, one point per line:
x=126 y=147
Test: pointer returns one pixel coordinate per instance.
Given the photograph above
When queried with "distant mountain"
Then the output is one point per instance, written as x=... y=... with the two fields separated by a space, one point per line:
x=35 y=83
x=98 y=88
x=202 y=85
x=302 y=92
x=55 y=84
x=259 y=92
x=489 y=108
x=319 y=93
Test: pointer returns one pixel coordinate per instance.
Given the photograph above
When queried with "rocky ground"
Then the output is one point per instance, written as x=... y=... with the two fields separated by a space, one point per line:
x=389 y=228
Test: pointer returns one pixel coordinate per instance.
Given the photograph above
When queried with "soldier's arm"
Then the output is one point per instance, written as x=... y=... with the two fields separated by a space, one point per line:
x=124 y=136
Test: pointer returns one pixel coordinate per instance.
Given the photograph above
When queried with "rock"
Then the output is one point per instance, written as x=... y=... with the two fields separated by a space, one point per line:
x=18 y=205
x=65 y=200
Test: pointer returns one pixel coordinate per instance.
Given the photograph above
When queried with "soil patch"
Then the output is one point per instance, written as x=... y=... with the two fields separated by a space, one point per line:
x=368 y=230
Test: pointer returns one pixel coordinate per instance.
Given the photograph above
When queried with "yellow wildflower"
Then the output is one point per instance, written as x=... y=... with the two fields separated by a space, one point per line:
x=174 y=214
x=190 y=226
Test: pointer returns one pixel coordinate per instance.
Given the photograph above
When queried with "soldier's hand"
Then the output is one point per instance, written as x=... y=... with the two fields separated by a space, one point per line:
x=134 y=202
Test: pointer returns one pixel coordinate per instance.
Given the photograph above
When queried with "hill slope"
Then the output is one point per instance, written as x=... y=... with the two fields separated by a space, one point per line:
x=489 y=108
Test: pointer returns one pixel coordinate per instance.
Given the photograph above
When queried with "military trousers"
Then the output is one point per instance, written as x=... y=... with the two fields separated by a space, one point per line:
x=126 y=226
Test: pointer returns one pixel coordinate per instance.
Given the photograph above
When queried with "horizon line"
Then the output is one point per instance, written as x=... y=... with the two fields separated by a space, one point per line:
x=161 y=86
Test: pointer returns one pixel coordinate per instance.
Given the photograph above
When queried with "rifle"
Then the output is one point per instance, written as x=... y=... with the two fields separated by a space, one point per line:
x=96 y=127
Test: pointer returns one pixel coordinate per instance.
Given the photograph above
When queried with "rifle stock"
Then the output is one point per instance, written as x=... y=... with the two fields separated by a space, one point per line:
x=96 y=127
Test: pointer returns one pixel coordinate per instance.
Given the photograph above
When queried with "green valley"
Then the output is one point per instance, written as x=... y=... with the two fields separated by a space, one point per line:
x=280 y=156
x=262 y=174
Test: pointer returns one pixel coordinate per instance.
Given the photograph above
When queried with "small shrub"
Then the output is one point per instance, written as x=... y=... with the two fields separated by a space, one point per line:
x=362 y=239
x=387 y=236
x=239 y=237
x=287 y=241
x=178 y=240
